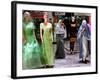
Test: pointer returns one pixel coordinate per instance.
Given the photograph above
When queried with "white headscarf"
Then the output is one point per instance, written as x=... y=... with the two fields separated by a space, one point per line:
x=84 y=23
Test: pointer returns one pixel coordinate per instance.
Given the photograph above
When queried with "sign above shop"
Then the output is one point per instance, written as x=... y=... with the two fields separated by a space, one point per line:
x=59 y=13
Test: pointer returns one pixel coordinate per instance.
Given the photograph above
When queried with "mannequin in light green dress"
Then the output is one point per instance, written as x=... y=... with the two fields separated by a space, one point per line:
x=47 y=47
x=31 y=49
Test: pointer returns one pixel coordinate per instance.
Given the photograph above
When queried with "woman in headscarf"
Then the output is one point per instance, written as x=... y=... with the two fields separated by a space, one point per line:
x=60 y=32
x=31 y=49
x=83 y=36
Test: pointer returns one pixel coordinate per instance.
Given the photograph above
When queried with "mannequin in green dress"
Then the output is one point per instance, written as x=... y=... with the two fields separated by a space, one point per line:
x=47 y=47
x=31 y=49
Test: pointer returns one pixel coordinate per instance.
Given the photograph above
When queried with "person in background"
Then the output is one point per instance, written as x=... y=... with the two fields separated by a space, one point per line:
x=89 y=41
x=73 y=33
x=47 y=39
x=60 y=32
x=83 y=36
x=31 y=50
x=55 y=24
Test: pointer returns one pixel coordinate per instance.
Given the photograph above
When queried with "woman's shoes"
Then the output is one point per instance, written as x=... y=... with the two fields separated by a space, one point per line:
x=84 y=61
x=71 y=52
x=49 y=66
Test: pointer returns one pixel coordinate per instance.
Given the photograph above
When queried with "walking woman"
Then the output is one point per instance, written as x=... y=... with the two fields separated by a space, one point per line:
x=73 y=33
x=31 y=49
x=83 y=37
x=60 y=32
x=47 y=39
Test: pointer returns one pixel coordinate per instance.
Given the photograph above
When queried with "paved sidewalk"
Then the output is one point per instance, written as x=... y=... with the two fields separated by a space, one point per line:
x=70 y=60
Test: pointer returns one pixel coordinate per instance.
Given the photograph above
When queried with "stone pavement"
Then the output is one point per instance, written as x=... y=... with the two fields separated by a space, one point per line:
x=71 y=60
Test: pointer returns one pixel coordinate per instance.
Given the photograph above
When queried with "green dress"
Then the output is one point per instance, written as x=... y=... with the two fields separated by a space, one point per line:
x=47 y=47
x=31 y=49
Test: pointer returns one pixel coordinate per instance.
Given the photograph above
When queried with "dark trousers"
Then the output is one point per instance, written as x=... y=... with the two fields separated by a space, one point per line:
x=60 y=54
x=72 y=45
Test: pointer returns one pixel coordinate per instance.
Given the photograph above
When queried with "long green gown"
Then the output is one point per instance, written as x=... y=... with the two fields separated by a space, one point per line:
x=31 y=49
x=47 y=47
